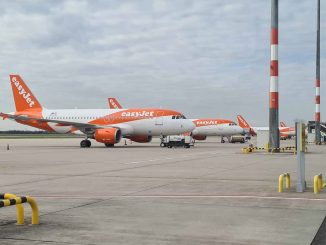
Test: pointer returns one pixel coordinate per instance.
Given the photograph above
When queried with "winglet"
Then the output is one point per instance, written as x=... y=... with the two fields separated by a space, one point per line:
x=113 y=103
x=282 y=124
x=24 y=98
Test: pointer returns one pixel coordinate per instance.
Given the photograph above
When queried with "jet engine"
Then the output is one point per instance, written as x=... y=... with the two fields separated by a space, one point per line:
x=141 y=138
x=108 y=135
x=199 y=137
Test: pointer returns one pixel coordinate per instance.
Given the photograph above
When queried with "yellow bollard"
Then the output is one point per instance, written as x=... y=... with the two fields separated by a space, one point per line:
x=288 y=181
x=19 y=208
x=35 y=212
x=280 y=183
x=320 y=182
x=316 y=184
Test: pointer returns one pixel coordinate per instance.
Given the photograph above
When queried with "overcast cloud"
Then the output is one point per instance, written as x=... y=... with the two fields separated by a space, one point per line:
x=203 y=58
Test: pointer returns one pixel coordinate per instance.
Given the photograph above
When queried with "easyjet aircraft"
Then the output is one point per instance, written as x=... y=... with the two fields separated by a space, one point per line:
x=104 y=125
x=282 y=124
x=204 y=127
x=285 y=132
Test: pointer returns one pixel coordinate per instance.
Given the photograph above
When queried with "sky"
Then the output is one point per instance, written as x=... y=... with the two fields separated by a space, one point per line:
x=205 y=58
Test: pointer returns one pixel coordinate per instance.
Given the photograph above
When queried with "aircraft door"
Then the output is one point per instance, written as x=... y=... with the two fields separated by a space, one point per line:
x=159 y=118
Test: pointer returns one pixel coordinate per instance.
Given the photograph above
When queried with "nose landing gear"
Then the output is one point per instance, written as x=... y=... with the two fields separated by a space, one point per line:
x=85 y=143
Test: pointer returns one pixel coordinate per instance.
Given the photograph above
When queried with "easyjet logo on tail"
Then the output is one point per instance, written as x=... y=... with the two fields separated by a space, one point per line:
x=242 y=122
x=114 y=104
x=22 y=92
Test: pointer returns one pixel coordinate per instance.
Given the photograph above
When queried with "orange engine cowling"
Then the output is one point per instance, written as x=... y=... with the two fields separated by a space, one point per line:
x=108 y=135
x=141 y=138
x=199 y=137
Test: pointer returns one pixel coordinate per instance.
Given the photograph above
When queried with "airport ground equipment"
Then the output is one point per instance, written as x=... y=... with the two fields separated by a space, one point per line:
x=281 y=178
x=237 y=138
x=300 y=149
x=311 y=128
x=177 y=141
x=11 y=200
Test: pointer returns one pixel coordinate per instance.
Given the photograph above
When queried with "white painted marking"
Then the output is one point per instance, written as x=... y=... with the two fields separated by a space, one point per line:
x=273 y=85
x=274 y=52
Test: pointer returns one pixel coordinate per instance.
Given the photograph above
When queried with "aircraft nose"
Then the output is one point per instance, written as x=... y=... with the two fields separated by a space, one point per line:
x=190 y=125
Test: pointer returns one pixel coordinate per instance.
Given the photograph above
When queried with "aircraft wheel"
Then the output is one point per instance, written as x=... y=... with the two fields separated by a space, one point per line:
x=109 y=145
x=222 y=141
x=83 y=144
x=89 y=143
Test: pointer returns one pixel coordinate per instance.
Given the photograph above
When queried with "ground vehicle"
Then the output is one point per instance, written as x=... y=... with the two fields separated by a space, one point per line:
x=177 y=141
x=235 y=139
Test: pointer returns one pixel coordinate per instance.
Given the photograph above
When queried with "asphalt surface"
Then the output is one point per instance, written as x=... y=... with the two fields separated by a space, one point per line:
x=144 y=194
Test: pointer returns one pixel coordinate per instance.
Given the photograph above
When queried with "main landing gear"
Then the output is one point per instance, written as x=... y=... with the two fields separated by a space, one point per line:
x=85 y=144
x=109 y=145
x=222 y=140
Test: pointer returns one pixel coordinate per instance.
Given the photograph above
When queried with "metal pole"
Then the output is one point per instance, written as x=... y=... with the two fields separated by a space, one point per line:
x=301 y=147
x=317 y=113
x=274 y=135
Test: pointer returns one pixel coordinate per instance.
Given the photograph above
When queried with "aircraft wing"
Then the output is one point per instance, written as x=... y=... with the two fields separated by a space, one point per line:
x=81 y=126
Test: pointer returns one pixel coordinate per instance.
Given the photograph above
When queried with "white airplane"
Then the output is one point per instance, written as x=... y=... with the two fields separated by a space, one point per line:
x=104 y=125
x=285 y=132
x=204 y=127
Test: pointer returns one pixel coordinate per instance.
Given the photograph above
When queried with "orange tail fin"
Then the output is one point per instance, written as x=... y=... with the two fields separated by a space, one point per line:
x=282 y=124
x=242 y=122
x=24 y=98
x=113 y=103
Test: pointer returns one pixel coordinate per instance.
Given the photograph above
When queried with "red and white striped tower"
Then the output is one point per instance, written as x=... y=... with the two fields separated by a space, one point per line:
x=317 y=112
x=274 y=136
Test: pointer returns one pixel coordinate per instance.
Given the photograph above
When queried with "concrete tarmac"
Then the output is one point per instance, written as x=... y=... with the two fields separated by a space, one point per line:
x=144 y=194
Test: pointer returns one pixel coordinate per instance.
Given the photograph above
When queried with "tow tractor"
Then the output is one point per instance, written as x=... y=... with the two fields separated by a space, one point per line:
x=177 y=141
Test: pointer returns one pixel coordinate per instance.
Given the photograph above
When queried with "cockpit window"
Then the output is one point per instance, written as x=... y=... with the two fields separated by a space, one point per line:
x=179 y=117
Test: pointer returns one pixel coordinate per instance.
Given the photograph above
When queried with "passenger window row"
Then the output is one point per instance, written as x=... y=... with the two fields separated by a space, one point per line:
x=179 y=117
x=65 y=118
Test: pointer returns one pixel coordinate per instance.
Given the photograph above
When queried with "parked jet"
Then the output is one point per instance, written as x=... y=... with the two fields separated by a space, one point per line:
x=104 y=125
x=285 y=132
x=282 y=124
x=204 y=127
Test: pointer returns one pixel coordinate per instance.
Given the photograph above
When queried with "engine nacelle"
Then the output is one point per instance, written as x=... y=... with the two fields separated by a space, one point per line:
x=141 y=138
x=199 y=137
x=108 y=135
